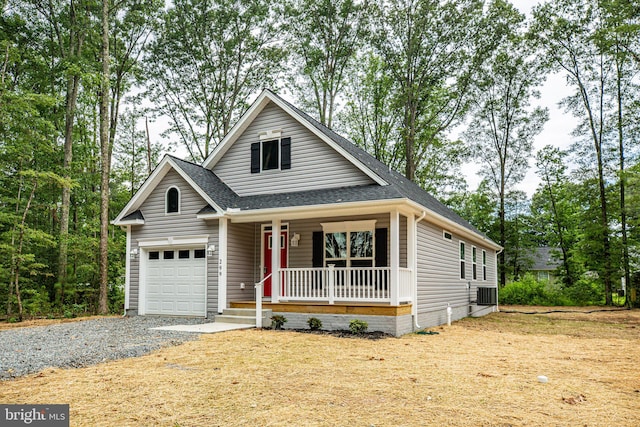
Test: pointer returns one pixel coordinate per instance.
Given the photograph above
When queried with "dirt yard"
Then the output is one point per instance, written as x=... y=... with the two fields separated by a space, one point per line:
x=478 y=372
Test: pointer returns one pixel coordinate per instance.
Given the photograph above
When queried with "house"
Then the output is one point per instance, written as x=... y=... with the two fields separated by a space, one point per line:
x=353 y=239
x=545 y=261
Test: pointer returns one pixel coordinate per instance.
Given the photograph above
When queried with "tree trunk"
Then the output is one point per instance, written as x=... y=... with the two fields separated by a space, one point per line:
x=105 y=144
x=622 y=178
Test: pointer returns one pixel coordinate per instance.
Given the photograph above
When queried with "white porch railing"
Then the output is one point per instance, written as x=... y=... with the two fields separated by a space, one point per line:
x=348 y=284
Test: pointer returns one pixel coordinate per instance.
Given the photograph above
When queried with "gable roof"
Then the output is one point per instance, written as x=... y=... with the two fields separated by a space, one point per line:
x=263 y=100
x=200 y=181
x=390 y=186
x=545 y=258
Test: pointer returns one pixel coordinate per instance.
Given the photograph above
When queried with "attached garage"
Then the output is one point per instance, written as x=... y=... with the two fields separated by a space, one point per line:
x=175 y=281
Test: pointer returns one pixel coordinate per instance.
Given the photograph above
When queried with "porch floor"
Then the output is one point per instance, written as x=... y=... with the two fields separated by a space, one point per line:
x=351 y=308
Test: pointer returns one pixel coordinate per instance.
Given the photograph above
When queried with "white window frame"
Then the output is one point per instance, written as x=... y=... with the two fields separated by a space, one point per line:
x=484 y=265
x=444 y=235
x=474 y=263
x=272 y=135
x=348 y=227
x=166 y=201
x=462 y=259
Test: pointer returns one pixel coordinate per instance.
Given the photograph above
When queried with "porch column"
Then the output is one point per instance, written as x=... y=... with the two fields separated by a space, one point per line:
x=394 y=231
x=222 y=264
x=275 y=259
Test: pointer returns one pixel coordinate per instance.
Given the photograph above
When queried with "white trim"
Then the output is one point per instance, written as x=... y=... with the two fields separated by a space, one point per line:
x=336 y=227
x=394 y=251
x=165 y=165
x=173 y=241
x=142 y=270
x=131 y=222
x=484 y=265
x=275 y=259
x=270 y=134
x=263 y=100
x=474 y=263
x=127 y=269
x=222 y=264
x=463 y=259
x=166 y=200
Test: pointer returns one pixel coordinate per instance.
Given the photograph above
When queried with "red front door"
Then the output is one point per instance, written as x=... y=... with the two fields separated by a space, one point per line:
x=268 y=244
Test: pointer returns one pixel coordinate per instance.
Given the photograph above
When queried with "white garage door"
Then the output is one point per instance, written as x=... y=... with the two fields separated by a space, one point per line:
x=175 y=282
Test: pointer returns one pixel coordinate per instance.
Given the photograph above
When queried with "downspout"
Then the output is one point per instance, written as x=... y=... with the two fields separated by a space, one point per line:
x=415 y=271
x=497 y=299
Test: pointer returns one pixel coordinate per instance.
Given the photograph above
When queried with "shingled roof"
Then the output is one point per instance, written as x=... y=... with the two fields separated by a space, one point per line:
x=399 y=187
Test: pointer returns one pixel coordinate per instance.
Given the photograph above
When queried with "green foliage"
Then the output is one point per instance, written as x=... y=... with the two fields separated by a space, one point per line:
x=278 y=321
x=314 y=323
x=358 y=326
x=585 y=291
x=529 y=291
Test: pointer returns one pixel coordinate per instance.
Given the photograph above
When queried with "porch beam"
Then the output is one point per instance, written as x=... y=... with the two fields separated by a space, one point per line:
x=394 y=232
x=275 y=259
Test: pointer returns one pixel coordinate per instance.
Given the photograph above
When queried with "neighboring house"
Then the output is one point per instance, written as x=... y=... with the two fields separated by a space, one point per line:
x=356 y=239
x=545 y=263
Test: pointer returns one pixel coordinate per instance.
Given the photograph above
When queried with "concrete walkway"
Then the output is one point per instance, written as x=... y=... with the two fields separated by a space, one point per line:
x=205 y=328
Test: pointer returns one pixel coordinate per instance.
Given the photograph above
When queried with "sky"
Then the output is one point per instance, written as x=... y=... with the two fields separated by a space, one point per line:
x=557 y=130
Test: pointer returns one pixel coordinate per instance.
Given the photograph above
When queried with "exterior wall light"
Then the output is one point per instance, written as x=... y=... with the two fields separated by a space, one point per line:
x=211 y=249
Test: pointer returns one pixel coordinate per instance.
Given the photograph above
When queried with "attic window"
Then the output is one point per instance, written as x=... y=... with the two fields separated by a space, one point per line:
x=271 y=154
x=172 y=200
x=446 y=235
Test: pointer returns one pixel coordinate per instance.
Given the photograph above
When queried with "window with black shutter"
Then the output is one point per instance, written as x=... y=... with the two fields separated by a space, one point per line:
x=271 y=154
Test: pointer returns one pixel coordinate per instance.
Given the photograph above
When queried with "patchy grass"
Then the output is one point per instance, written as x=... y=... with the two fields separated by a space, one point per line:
x=46 y=322
x=476 y=372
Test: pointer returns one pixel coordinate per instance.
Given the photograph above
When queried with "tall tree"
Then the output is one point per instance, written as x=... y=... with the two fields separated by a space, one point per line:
x=504 y=123
x=207 y=59
x=325 y=36
x=69 y=25
x=551 y=168
x=567 y=29
x=105 y=159
x=430 y=49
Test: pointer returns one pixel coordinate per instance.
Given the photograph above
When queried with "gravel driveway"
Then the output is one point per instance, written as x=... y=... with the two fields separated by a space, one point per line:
x=76 y=344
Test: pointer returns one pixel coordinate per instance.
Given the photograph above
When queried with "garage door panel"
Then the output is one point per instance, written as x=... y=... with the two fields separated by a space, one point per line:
x=176 y=286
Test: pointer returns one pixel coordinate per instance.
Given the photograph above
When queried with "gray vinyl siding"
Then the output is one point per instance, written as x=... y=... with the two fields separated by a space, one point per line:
x=241 y=254
x=158 y=225
x=314 y=164
x=301 y=256
x=438 y=275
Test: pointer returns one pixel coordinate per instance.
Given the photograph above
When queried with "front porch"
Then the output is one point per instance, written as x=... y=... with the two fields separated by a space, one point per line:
x=367 y=258
x=345 y=284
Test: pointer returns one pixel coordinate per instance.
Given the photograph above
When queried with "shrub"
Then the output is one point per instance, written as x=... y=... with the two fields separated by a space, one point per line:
x=585 y=291
x=314 y=323
x=277 y=321
x=358 y=326
x=529 y=291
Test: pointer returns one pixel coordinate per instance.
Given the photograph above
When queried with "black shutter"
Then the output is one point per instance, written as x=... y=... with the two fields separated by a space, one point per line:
x=255 y=157
x=381 y=247
x=318 y=249
x=285 y=153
